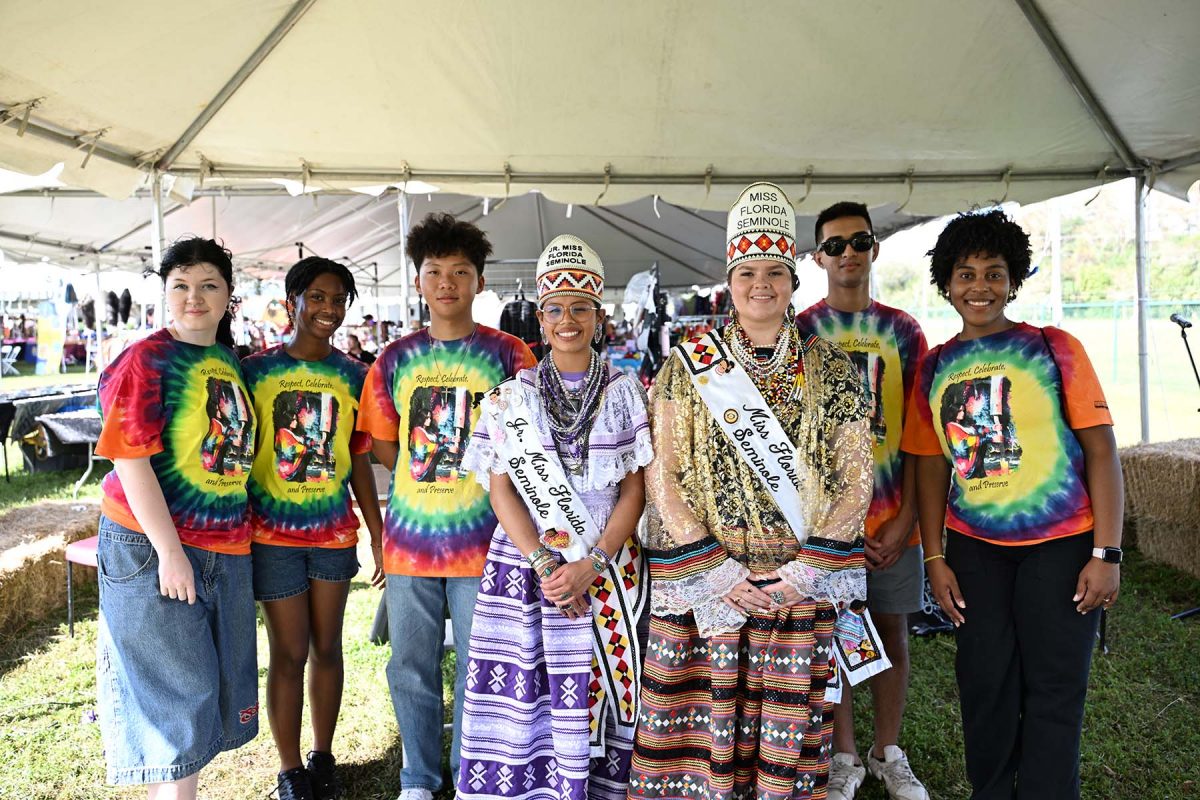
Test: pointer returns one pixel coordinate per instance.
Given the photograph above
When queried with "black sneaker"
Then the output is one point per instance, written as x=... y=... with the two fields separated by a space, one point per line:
x=294 y=784
x=322 y=773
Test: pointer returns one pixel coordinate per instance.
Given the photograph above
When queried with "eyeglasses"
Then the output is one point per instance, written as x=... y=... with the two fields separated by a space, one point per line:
x=861 y=242
x=555 y=314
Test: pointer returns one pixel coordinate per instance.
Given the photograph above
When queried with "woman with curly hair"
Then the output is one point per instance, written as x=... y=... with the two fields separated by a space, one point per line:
x=1017 y=465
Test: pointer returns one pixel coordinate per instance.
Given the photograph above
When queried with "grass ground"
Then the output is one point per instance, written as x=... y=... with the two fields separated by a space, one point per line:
x=1140 y=738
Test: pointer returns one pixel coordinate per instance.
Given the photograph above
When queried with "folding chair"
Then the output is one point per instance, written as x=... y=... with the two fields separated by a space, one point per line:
x=8 y=359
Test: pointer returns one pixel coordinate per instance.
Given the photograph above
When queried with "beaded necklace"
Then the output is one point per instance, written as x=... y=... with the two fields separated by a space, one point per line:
x=776 y=375
x=571 y=413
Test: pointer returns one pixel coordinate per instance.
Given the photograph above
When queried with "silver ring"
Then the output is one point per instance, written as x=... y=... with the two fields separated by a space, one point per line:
x=777 y=598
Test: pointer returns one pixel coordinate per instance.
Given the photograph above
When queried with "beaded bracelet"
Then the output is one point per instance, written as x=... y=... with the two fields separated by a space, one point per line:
x=600 y=559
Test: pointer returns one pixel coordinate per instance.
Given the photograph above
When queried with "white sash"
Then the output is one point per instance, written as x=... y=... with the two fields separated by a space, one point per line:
x=620 y=593
x=744 y=415
x=562 y=520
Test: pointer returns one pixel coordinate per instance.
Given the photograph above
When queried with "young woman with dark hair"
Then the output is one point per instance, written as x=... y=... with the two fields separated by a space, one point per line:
x=177 y=674
x=1020 y=501
x=306 y=394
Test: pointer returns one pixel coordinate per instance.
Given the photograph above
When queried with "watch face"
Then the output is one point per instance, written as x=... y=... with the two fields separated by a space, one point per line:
x=1112 y=555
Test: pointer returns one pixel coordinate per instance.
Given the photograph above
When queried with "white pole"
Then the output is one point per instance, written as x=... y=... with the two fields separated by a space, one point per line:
x=1143 y=297
x=1055 y=234
x=402 y=209
x=157 y=240
x=99 y=305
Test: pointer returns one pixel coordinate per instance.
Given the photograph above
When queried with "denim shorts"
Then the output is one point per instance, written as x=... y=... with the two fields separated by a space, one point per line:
x=898 y=589
x=281 y=571
x=176 y=683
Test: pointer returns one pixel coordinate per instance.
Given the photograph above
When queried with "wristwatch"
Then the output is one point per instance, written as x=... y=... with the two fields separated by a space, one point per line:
x=1109 y=555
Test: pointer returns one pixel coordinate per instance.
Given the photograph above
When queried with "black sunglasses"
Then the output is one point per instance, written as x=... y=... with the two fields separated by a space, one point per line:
x=861 y=242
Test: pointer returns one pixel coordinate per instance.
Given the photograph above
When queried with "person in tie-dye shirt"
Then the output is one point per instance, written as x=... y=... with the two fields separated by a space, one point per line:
x=1017 y=463
x=419 y=405
x=177 y=673
x=885 y=345
x=306 y=396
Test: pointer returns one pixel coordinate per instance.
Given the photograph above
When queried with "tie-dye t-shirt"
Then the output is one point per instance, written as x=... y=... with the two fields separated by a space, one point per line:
x=421 y=394
x=1001 y=409
x=186 y=408
x=886 y=345
x=300 y=484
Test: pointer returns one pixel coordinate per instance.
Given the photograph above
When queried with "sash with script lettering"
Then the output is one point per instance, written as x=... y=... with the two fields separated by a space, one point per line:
x=619 y=594
x=744 y=416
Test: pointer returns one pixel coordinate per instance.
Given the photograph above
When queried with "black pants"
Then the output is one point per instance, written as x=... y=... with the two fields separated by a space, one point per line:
x=1024 y=654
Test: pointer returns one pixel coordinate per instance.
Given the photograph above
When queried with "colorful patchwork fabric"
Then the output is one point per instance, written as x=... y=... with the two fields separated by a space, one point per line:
x=886 y=345
x=1001 y=410
x=300 y=484
x=186 y=408
x=421 y=394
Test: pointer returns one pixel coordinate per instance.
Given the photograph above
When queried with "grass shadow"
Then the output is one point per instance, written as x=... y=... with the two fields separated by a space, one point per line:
x=38 y=635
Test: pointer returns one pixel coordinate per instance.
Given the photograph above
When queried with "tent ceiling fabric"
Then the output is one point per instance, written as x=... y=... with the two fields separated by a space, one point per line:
x=360 y=89
x=262 y=232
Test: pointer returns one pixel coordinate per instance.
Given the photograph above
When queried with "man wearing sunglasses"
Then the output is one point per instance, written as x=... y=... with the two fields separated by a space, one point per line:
x=886 y=344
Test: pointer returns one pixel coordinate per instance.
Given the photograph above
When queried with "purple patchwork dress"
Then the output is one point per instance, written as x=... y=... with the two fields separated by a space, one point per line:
x=551 y=702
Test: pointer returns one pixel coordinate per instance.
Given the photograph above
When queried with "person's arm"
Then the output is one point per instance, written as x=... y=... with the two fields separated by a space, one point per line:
x=362 y=483
x=890 y=542
x=933 y=486
x=573 y=579
x=386 y=453
x=1100 y=582
x=176 y=579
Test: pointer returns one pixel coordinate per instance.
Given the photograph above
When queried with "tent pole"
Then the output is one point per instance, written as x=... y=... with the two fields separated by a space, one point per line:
x=157 y=239
x=99 y=319
x=1139 y=212
x=402 y=211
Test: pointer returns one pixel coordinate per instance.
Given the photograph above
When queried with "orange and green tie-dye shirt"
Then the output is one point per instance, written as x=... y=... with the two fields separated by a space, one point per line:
x=421 y=394
x=1001 y=410
x=186 y=408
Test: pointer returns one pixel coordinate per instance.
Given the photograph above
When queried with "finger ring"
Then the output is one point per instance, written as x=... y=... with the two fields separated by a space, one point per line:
x=564 y=597
x=777 y=598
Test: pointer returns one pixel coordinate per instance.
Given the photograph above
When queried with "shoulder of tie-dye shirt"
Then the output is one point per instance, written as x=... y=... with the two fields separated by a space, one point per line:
x=512 y=352
x=1068 y=352
x=815 y=318
x=256 y=366
x=139 y=366
x=377 y=402
x=353 y=371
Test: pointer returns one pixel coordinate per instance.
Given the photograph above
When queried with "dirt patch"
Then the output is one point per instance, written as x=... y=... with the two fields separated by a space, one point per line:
x=33 y=572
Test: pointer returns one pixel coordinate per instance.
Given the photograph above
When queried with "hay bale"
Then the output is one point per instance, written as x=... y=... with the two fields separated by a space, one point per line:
x=1162 y=497
x=33 y=570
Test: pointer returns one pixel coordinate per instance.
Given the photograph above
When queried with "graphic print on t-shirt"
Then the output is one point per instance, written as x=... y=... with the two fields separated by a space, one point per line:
x=439 y=423
x=305 y=424
x=871 y=367
x=976 y=415
x=226 y=450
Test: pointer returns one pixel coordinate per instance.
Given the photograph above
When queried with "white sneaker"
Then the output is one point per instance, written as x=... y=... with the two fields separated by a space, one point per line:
x=896 y=774
x=415 y=794
x=845 y=777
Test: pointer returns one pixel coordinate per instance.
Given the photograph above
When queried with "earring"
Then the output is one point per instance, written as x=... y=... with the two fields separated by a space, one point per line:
x=791 y=313
x=599 y=334
x=545 y=338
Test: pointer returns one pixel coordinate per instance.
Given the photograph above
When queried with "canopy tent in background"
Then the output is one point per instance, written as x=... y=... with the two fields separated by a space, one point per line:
x=977 y=99
x=264 y=232
x=931 y=107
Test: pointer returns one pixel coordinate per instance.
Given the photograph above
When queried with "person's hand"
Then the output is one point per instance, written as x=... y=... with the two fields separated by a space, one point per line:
x=176 y=579
x=944 y=585
x=567 y=586
x=887 y=545
x=378 y=577
x=746 y=597
x=781 y=594
x=1098 y=585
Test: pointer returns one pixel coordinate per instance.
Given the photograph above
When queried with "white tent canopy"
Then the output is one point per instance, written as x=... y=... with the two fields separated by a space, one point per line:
x=930 y=107
x=940 y=105
x=264 y=232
